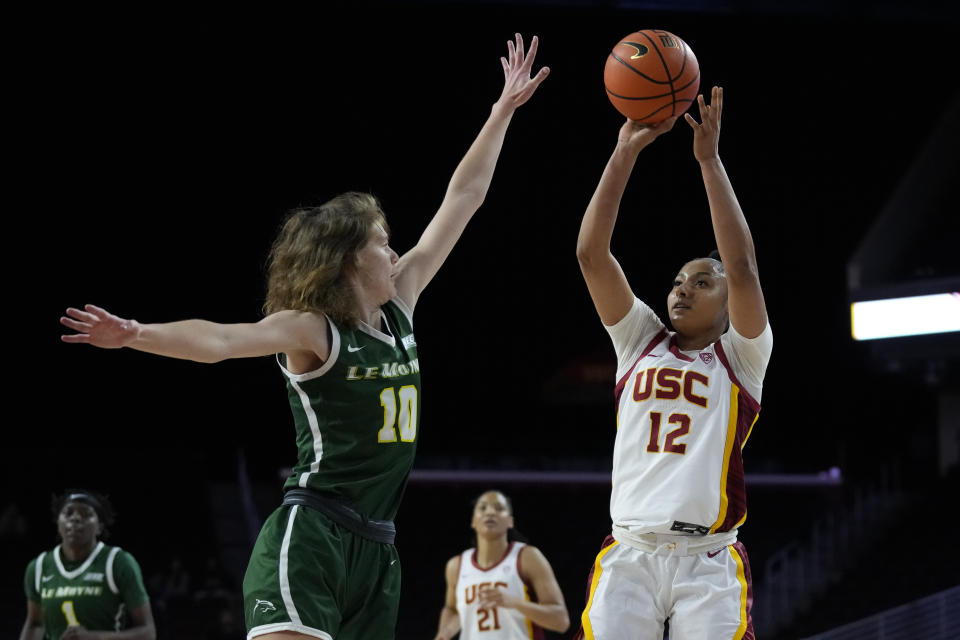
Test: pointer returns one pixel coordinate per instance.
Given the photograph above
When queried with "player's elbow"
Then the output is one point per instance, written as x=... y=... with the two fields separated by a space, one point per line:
x=563 y=621
x=212 y=354
x=468 y=196
x=559 y=619
x=592 y=249
x=586 y=254
x=743 y=269
x=593 y=259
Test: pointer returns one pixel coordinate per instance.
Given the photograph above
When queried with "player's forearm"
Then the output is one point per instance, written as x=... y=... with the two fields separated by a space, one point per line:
x=449 y=624
x=596 y=228
x=549 y=616
x=730 y=229
x=31 y=631
x=472 y=177
x=197 y=340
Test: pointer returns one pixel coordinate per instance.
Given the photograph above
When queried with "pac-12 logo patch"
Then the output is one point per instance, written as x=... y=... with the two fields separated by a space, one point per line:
x=706 y=357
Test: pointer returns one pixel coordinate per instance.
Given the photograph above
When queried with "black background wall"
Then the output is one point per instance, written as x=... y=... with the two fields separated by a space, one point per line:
x=154 y=154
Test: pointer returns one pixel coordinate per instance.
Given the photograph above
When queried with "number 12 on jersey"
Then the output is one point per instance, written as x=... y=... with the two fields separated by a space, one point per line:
x=670 y=445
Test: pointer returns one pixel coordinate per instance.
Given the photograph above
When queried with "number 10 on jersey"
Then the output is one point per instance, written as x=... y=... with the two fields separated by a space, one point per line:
x=399 y=414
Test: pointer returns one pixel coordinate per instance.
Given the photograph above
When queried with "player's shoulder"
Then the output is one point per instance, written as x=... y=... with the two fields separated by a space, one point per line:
x=287 y=317
x=759 y=346
x=44 y=556
x=529 y=553
x=452 y=567
x=121 y=556
x=453 y=563
x=32 y=564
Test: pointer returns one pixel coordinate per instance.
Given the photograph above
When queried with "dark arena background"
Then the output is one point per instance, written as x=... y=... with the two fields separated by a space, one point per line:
x=152 y=154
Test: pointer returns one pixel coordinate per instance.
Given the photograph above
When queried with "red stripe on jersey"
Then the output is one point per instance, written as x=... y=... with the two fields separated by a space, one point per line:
x=741 y=551
x=540 y=634
x=676 y=350
x=735 y=489
x=523 y=578
x=752 y=403
x=579 y=635
x=537 y=632
x=473 y=559
x=657 y=339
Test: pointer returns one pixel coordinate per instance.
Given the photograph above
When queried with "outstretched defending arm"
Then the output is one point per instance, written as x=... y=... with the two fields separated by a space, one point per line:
x=471 y=179
x=201 y=340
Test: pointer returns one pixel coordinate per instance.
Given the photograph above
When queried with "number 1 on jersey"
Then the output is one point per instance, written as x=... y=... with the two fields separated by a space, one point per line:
x=69 y=613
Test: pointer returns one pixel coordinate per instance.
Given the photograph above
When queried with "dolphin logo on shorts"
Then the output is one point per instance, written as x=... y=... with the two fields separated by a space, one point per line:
x=263 y=606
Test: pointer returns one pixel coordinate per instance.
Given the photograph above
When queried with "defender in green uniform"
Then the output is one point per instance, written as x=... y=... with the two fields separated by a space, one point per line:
x=339 y=311
x=357 y=419
x=84 y=584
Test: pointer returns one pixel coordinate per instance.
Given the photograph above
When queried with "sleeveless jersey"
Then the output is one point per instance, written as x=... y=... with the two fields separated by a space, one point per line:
x=496 y=623
x=357 y=417
x=97 y=594
x=682 y=421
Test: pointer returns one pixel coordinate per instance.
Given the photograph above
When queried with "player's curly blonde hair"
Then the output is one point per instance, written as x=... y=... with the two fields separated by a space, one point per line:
x=314 y=252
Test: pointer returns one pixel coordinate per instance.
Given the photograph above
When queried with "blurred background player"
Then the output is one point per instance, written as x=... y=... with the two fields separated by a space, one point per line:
x=339 y=310
x=686 y=401
x=83 y=587
x=503 y=588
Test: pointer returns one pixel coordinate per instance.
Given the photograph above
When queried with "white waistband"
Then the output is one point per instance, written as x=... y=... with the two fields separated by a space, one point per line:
x=673 y=545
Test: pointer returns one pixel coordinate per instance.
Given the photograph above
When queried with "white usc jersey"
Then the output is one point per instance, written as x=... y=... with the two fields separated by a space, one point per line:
x=495 y=623
x=682 y=421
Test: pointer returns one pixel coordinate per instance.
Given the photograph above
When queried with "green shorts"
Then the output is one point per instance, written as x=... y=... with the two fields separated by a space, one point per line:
x=310 y=575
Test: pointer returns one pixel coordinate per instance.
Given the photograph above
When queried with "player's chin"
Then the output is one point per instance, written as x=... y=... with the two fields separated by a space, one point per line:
x=389 y=294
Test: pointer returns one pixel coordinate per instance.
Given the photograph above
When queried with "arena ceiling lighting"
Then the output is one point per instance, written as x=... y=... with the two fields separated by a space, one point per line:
x=911 y=316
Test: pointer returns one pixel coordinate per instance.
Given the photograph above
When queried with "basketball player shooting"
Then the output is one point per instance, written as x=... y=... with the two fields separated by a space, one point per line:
x=686 y=402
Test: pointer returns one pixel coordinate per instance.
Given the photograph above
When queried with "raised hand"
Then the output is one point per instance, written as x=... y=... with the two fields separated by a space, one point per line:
x=636 y=135
x=518 y=86
x=706 y=135
x=98 y=327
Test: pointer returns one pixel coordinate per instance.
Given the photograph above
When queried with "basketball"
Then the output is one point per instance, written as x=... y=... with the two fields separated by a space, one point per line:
x=651 y=75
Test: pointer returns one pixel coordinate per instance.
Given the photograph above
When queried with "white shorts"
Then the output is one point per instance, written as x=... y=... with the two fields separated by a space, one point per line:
x=706 y=595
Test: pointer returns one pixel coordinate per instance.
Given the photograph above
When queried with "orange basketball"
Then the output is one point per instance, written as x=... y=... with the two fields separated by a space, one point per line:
x=651 y=75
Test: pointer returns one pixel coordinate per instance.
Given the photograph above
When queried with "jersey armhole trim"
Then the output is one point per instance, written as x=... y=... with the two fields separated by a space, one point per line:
x=326 y=366
x=520 y=574
x=38 y=570
x=657 y=339
x=404 y=309
x=110 y=581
